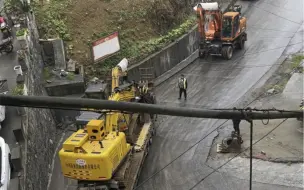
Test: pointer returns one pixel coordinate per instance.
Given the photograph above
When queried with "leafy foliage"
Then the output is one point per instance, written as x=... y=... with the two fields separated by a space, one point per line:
x=71 y=76
x=47 y=73
x=296 y=60
x=51 y=21
x=16 y=6
x=159 y=16
x=21 y=32
x=21 y=55
x=135 y=51
x=18 y=90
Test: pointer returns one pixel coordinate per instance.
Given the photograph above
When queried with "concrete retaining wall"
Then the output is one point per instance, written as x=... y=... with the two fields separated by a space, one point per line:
x=169 y=57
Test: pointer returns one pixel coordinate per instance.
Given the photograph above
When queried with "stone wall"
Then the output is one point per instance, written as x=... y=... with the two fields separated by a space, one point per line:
x=39 y=126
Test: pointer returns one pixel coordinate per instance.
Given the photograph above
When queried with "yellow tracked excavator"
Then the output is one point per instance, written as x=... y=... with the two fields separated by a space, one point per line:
x=108 y=152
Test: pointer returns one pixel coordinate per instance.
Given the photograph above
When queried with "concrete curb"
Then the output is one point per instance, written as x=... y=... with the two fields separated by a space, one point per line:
x=168 y=74
x=292 y=160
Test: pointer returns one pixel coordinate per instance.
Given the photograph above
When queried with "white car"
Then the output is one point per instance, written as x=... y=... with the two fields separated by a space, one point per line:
x=5 y=158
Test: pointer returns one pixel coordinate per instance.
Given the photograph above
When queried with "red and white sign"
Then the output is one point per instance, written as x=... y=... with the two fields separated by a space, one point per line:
x=105 y=47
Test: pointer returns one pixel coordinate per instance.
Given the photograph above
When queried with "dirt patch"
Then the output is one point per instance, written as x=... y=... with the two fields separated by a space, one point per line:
x=143 y=27
x=278 y=81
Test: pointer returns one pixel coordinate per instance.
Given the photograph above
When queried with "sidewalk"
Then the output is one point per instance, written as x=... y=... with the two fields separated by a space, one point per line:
x=278 y=158
x=7 y=64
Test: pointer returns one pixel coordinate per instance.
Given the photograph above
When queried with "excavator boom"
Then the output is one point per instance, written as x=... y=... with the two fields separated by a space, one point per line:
x=209 y=19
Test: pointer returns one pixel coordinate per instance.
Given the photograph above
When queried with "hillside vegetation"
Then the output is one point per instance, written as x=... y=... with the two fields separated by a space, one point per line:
x=144 y=26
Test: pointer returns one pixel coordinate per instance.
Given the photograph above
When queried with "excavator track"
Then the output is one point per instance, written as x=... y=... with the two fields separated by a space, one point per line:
x=128 y=173
x=126 y=176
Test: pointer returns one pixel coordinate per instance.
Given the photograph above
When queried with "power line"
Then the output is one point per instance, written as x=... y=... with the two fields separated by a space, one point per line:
x=80 y=103
x=215 y=170
x=218 y=126
x=283 y=8
x=196 y=142
x=276 y=15
x=272 y=29
x=183 y=153
x=164 y=167
x=259 y=52
x=171 y=58
x=74 y=103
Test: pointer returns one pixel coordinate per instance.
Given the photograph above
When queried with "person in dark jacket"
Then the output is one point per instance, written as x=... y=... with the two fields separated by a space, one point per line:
x=182 y=84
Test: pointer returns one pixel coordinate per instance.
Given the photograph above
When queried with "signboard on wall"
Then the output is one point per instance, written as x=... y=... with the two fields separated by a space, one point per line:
x=105 y=47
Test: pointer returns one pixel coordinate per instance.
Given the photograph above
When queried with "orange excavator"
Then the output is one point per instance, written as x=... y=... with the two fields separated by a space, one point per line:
x=220 y=33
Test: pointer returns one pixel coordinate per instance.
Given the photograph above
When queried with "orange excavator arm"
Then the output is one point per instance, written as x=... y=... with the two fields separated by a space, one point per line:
x=200 y=12
x=215 y=24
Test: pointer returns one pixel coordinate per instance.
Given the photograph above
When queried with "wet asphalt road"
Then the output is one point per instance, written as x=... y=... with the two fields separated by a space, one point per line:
x=275 y=29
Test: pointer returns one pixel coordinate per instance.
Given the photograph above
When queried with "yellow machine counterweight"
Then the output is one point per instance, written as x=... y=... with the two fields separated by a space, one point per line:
x=91 y=154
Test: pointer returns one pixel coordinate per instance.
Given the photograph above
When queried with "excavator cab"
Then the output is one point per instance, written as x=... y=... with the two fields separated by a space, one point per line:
x=97 y=89
x=227 y=27
x=231 y=25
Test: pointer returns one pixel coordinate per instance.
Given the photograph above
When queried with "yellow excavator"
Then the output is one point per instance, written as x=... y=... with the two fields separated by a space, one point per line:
x=107 y=153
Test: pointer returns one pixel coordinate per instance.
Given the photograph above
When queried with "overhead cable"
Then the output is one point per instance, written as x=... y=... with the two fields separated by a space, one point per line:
x=79 y=103
x=215 y=170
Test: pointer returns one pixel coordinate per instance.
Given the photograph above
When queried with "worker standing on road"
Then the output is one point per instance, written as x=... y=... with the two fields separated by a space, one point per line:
x=182 y=84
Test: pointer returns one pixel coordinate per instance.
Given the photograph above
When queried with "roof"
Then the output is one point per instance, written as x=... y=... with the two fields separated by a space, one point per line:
x=87 y=116
x=98 y=86
x=208 y=6
x=232 y=14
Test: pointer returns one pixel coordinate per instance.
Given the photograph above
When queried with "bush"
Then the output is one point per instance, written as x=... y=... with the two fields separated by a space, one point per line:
x=51 y=21
x=21 y=55
x=21 y=32
x=18 y=90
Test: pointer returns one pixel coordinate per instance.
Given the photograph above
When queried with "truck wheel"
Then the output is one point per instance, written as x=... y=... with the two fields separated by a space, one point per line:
x=227 y=52
x=11 y=164
x=242 y=43
x=202 y=55
x=9 y=48
x=150 y=141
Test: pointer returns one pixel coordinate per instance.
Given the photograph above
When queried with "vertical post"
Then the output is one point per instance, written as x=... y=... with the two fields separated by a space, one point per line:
x=251 y=136
x=236 y=125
